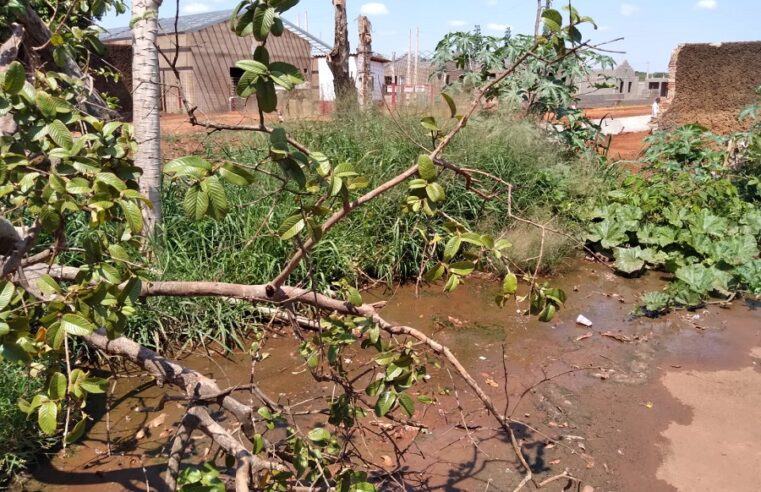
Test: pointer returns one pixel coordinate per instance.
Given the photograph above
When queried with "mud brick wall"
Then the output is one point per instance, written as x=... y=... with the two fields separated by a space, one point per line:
x=710 y=84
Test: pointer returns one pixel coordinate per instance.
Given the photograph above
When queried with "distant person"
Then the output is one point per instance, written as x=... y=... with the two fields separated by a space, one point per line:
x=656 y=110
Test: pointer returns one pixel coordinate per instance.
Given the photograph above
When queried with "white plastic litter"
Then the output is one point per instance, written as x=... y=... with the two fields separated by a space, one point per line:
x=583 y=320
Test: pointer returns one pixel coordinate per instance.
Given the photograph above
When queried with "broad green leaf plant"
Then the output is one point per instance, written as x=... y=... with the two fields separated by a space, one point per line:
x=693 y=212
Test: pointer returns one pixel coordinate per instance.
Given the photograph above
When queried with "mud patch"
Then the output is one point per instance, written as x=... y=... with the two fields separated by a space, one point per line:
x=719 y=448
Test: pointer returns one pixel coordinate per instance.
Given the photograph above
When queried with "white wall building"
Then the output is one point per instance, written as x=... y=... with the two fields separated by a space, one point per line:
x=327 y=91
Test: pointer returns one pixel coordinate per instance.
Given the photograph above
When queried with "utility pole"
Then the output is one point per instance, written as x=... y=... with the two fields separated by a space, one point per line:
x=408 y=77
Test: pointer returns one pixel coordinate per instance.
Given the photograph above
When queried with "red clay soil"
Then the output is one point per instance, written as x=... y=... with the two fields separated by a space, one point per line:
x=618 y=111
x=627 y=146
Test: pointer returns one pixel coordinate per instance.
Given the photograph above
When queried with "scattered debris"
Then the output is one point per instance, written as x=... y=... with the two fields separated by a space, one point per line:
x=618 y=337
x=492 y=383
x=585 y=336
x=158 y=421
x=583 y=320
x=455 y=322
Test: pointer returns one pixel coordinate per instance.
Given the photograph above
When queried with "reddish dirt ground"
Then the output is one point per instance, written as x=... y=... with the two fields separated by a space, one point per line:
x=627 y=146
x=617 y=111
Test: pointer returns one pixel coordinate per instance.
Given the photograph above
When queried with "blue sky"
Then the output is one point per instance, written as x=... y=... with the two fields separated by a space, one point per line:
x=651 y=28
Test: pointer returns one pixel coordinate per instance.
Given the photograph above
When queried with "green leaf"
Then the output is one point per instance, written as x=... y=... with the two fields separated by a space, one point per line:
x=132 y=215
x=266 y=95
x=553 y=20
x=7 y=289
x=258 y=444
x=375 y=387
x=426 y=169
x=355 y=298
x=76 y=325
x=407 y=404
x=247 y=84
x=217 y=196
x=94 y=385
x=429 y=123
x=60 y=134
x=385 y=401
x=291 y=227
x=47 y=417
x=462 y=268
x=629 y=260
x=435 y=192
x=547 y=313
x=76 y=432
x=78 y=186
x=452 y=247
x=450 y=103
x=264 y=18
x=190 y=165
x=15 y=76
x=285 y=74
x=196 y=202
x=252 y=66
x=435 y=273
x=236 y=175
x=318 y=434
x=510 y=284
x=452 y=283
x=57 y=387
x=111 y=180
x=696 y=276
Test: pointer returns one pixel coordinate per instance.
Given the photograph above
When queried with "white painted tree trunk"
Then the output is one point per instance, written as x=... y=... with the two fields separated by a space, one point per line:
x=146 y=92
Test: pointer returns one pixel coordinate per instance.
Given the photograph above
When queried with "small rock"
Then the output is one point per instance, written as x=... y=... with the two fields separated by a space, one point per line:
x=583 y=320
x=588 y=488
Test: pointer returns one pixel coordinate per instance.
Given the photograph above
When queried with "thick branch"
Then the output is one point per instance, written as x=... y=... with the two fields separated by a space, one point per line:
x=247 y=464
x=39 y=34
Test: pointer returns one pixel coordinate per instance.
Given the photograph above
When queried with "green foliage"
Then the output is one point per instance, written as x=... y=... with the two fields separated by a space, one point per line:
x=689 y=214
x=20 y=438
x=542 y=85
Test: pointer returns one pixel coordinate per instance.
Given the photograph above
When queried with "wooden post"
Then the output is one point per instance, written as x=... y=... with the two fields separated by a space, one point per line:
x=365 y=61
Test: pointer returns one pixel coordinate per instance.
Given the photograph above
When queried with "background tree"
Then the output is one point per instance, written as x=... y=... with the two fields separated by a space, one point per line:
x=338 y=58
x=146 y=112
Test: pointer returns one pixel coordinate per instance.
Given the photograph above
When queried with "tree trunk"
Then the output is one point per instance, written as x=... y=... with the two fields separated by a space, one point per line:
x=146 y=106
x=338 y=59
x=365 y=60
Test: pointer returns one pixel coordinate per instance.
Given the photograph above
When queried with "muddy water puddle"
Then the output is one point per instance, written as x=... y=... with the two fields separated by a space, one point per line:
x=612 y=418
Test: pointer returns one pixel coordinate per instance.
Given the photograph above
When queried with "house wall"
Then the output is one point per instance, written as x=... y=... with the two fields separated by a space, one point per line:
x=712 y=83
x=204 y=61
x=216 y=49
x=325 y=77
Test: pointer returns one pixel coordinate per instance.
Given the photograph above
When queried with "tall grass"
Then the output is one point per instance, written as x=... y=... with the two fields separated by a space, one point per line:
x=377 y=241
x=20 y=438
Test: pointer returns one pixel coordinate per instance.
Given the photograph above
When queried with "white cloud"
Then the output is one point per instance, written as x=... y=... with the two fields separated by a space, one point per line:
x=195 y=8
x=628 y=9
x=493 y=26
x=603 y=28
x=374 y=8
x=707 y=4
x=458 y=23
x=491 y=2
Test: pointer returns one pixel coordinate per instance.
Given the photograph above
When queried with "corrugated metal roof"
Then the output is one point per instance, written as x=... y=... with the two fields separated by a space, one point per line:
x=196 y=22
